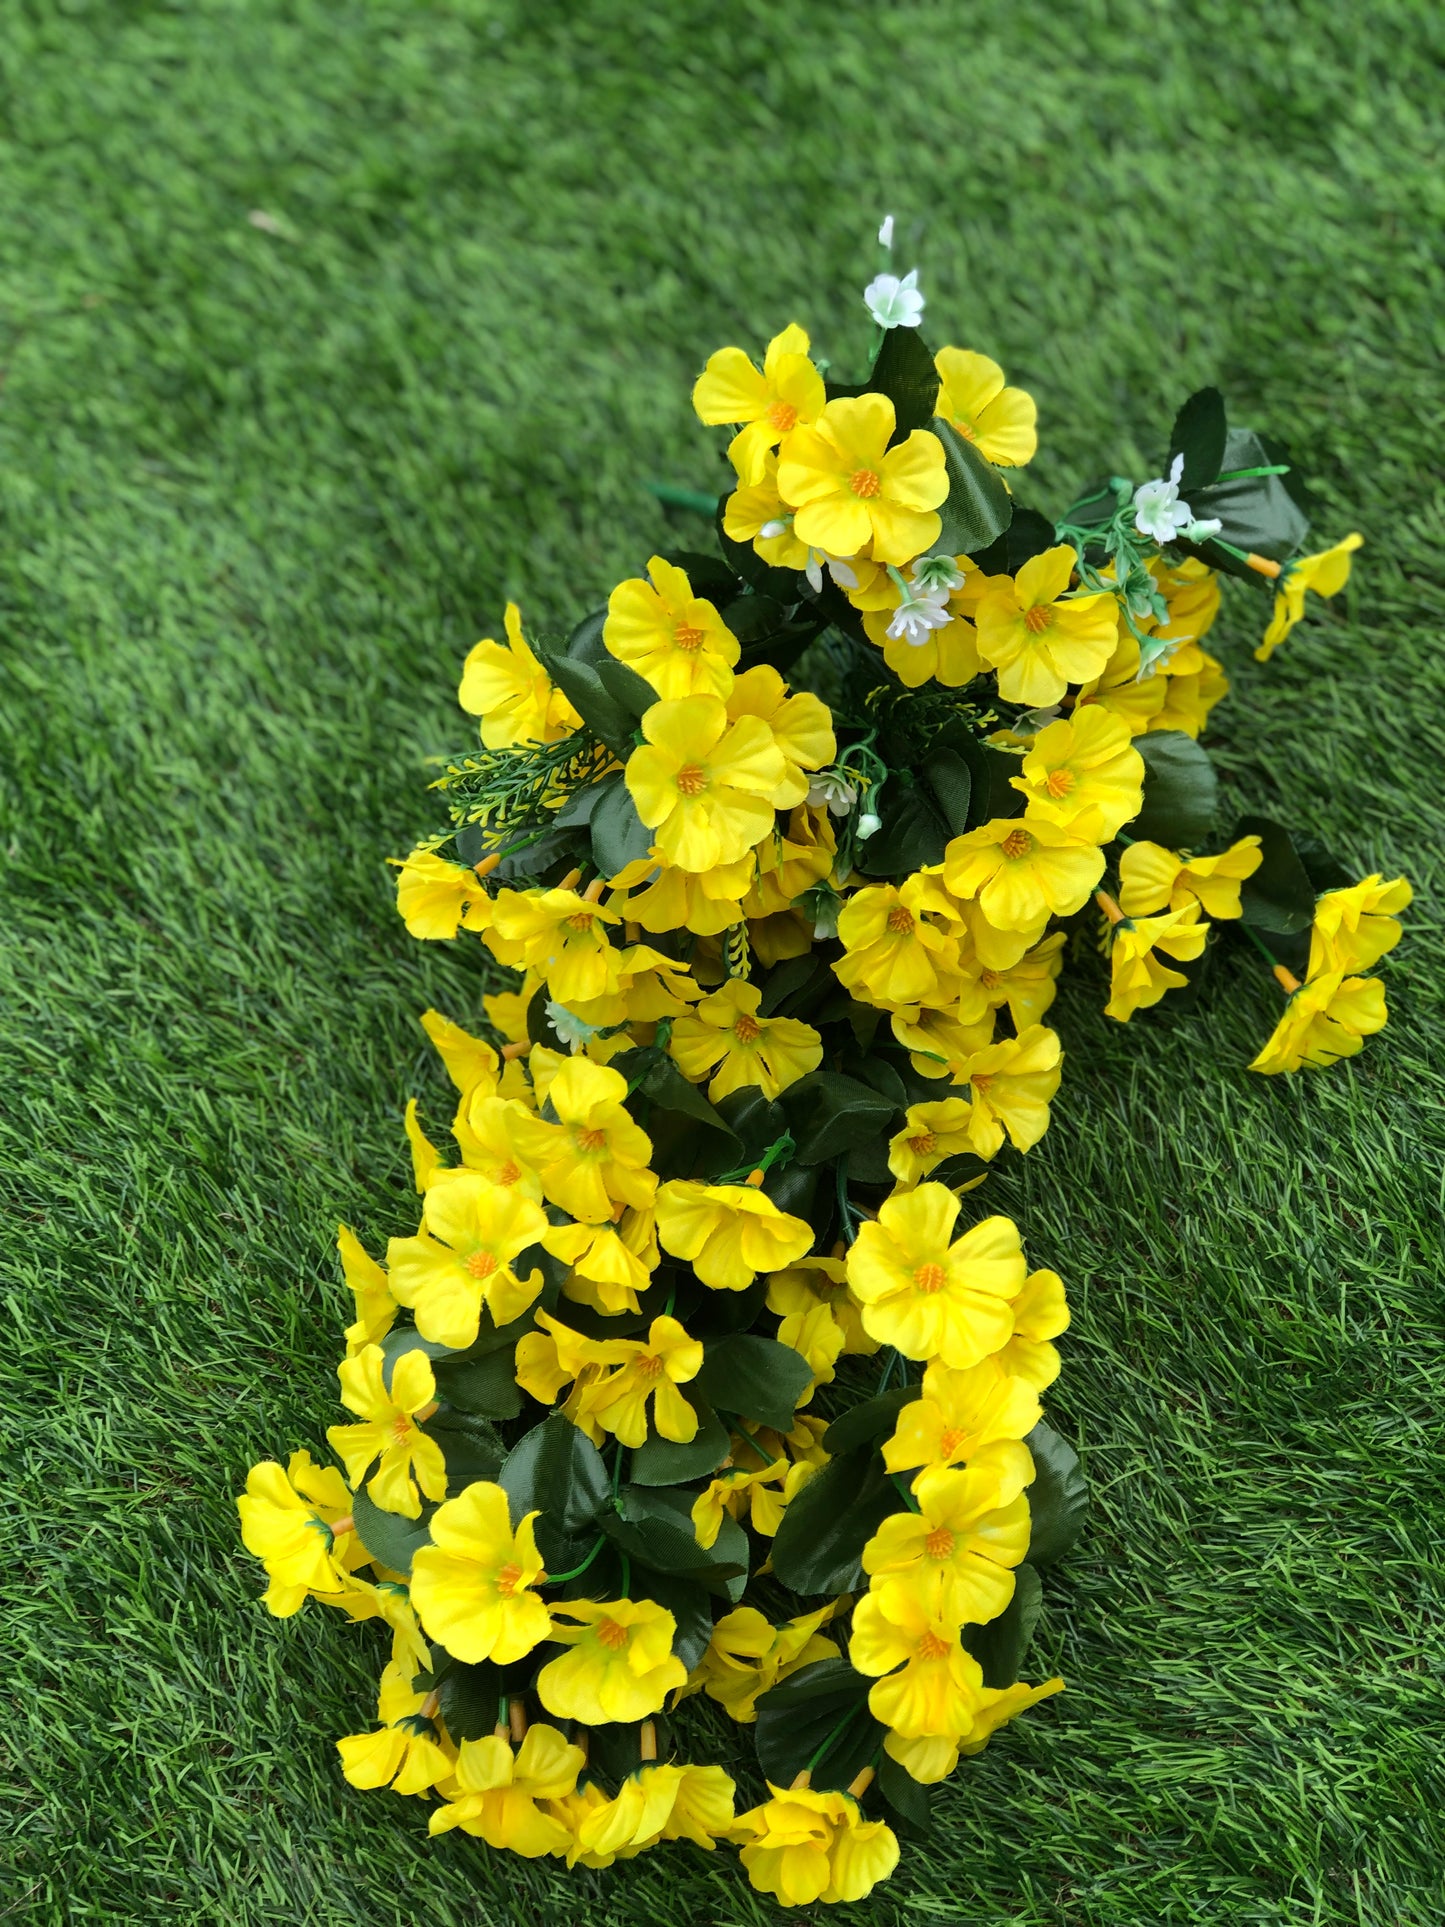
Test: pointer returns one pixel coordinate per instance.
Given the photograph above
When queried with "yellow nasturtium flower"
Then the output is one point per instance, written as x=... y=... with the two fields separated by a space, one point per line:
x=703 y=784
x=508 y=688
x=892 y=955
x=931 y=1133
x=1326 y=1019
x=963 y=1416
x=376 y=1309
x=673 y=639
x=802 y=1845
x=286 y=1521
x=657 y=1802
x=1000 y=422
x=1041 y=1313
x=1355 y=927
x=1138 y=978
x=934 y=1691
x=594 y=1157
x=728 y=1233
x=1326 y=574
x=747 y=1655
x=1023 y=872
x=1083 y=774
x=500 y=1796
x=1027 y=986
x=727 y=1038
x=769 y=402
x=643 y=1369
x=1041 y=640
x=621 y=1666
x=1010 y=1085
x=463 y=1257
x=470 y=1062
x=389 y=1430
x=931 y=1296
x=800 y=725
x=811 y=1284
x=849 y=488
x=403 y=1753
x=931 y=1758
x=561 y=936
x=607 y=1272
x=472 y=1585
x=1152 y=878
x=660 y=897
x=436 y=899
x=486 y=1129
x=955 y=1555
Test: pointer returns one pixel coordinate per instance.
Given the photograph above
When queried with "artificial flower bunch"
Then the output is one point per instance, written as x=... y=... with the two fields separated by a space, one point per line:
x=706 y=1373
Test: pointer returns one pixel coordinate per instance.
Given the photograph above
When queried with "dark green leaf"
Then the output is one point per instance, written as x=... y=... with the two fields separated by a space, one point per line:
x=913 y=834
x=556 y=1470
x=576 y=812
x=829 y=1114
x=905 y=373
x=653 y=1074
x=470 y=1447
x=868 y=1423
x=755 y=1377
x=470 y=1696
x=1028 y=535
x=911 y=1803
x=483 y=1385
x=819 y=1547
x=387 y=1536
x=754 y=1120
x=1259 y=512
x=1322 y=866
x=619 y=835
x=1058 y=1497
x=1180 y=791
x=581 y=683
x=1199 y=435
x=993 y=794
x=659 y=1461
x=690 y=1605
x=1280 y=897
x=632 y=692
x=949 y=778
x=793 y=1188
x=979 y=507
x=540 y=1028
x=817 y=1721
x=1000 y=1646
x=879 y=1072
x=788 y=979
x=654 y=1528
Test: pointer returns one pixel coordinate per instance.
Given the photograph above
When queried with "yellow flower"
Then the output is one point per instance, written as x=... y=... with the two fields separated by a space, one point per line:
x=999 y=421
x=607 y=1272
x=375 y=1307
x=947 y=655
x=1354 y=928
x=1189 y=698
x=1084 y=775
x=1010 y=1085
x=848 y=487
x=1152 y=878
x=931 y=1133
x=471 y=1585
x=560 y=935
x=621 y=1666
x=1138 y=979
x=728 y=1038
x=1120 y=689
x=662 y=898
x=403 y=1754
x=1326 y=574
x=594 y=1157
x=1038 y=643
x=437 y=898
x=1326 y=1019
x=803 y=1846
x=509 y=689
x=961 y=1415
x=930 y=1297
x=705 y=785
x=813 y=1282
x=470 y=1062
x=932 y=1758
x=739 y=1492
x=788 y=390
x=955 y=1555
x=800 y=726
x=758 y=505
x=1191 y=590
x=892 y=954
x=498 y=1792
x=748 y=1655
x=1028 y=986
x=647 y=1369
x=486 y=1128
x=937 y=1043
x=1041 y=1313
x=659 y=1802
x=286 y=1522
x=728 y=1232
x=674 y=639
x=389 y=1430
x=462 y=1258
x=792 y=861
x=935 y=1692
x=1022 y=873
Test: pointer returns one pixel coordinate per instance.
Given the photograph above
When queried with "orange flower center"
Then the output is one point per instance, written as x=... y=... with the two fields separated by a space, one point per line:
x=747 y=1029
x=929 y=1278
x=1062 y=782
x=900 y=921
x=507 y=1580
x=782 y=416
x=1039 y=618
x=964 y=428
x=990 y=979
x=940 y=1543
x=591 y=1140
x=481 y=1265
x=691 y=781
x=1018 y=843
x=981 y=1082
x=688 y=639
x=509 y=1173
x=401 y=1425
x=580 y=920
x=611 y=1635
x=649 y=1365
x=923 y=1144
x=931 y=1647
x=865 y=483
x=950 y=1440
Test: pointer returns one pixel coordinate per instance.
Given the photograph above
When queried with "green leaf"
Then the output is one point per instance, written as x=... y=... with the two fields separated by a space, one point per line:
x=1260 y=513
x=619 y=835
x=576 y=812
x=1180 y=791
x=1058 y=1497
x=992 y=794
x=1028 y=535
x=387 y=1536
x=754 y=1120
x=817 y=1721
x=819 y=1547
x=691 y=1607
x=949 y=778
x=654 y=1527
x=1322 y=866
x=556 y=1470
x=1280 y=897
x=979 y=507
x=470 y=1447
x=483 y=1385
x=1198 y=435
x=470 y=1696
x=659 y=1461
x=829 y=1114
x=628 y=690
x=652 y=1073
x=904 y=372
x=755 y=1377
x=581 y=682
x=1000 y=1646
x=792 y=979
x=911 y=1803
x=913 y=834
x=869 y=1422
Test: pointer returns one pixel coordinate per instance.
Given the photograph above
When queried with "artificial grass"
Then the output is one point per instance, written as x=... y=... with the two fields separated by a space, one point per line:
x=262 y=485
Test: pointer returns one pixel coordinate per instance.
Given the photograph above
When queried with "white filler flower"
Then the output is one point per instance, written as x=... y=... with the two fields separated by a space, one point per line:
x=894 y=303
x=1158 y=511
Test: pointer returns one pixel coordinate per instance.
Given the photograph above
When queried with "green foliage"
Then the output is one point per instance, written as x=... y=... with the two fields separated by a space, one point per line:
x=1058 y=1497
x=979 y=507
x=755 y=1377
x=817 y=1721
x=1001 y=1645
x=557 y=1471
x=829 y=1114
x=1180 y=791
x=819 y=1545
x=393 y=1538
x=1199 y=434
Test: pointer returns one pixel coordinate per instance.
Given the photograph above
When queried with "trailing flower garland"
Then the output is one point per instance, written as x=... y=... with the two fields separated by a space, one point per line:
x=638 y=1411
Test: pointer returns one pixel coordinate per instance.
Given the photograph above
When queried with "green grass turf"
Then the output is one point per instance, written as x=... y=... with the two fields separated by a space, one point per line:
x=262 y=486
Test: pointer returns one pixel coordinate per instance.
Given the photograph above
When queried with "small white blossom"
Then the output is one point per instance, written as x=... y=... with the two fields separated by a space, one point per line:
x=885 y=233
x=919 y=614
x=894 y=303
x=837 y=567
x=829 y=788
x=868 y=825
x=937 y=572
x=1158 y=511
x=774 y=528
x=1201 y=531
x=573 y=1031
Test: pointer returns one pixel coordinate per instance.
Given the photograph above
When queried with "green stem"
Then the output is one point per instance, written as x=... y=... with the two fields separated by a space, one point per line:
x=626 y=1575
x=845 y=1209
x=833 y=1735
x=1246 y=474
x=908 y=1498
x=683 y=498
x=559 y=1578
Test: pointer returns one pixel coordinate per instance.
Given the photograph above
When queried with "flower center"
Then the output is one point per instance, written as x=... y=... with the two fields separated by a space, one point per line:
x=509 y=1173
x=747 y=1029
x=1039 y=618
x=981 y=1082
x=929 y=1278
x=611 y=1635
x=782 y=416
x=649 y=1365
x=940 y=1543
x=691 y=781
x=990 y=979
x=1018 y=843
x=481 y=1265
x=591 y=1140
x=507 y=1579
x=950 y=1440
x=688 y=639
x=1062 y=782
x=964 y=428
x=900 y=921
x=864 y=483
x=931 y=1647
x=580 y=920
x=401 y=1425
x=923 y=1144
